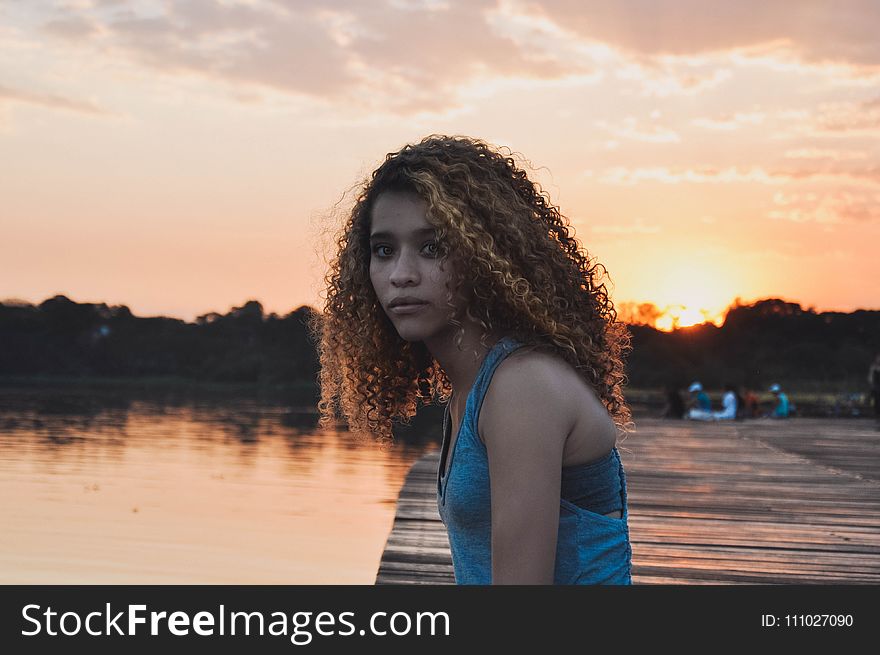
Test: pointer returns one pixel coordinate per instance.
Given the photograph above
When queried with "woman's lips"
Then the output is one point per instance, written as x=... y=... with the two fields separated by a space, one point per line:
x=408 y=308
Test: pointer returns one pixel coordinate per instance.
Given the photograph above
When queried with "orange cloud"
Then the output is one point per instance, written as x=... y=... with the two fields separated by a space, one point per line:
x=833 y=119
x=621 y=175
x=409 y=56
x=849 y=117
x=825 y=153
x=729 y=122
x=631 y=128
x=51 y=101
x=837 y=206
x=399 y=56
x=819 y=32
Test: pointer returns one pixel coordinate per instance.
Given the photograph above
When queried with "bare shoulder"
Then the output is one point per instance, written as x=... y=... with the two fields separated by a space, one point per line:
x=530 y=383
x=533 y=386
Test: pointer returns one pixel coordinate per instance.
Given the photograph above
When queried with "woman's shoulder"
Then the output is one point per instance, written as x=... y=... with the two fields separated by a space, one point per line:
x=539 y=364
x=535 y=359
x=536 y=379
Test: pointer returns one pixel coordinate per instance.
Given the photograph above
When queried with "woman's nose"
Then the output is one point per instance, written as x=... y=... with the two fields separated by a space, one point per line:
x=404 y=270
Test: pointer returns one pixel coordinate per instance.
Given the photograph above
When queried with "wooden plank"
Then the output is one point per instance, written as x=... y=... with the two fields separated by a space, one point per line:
x=754 y=502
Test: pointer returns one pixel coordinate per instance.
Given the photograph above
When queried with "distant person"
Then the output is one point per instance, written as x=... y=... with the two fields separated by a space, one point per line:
x=750 y=404
x=701 y=406
x=728 y=403
x=699 y=397
x=874 y=381
x=674 y=403
x=781 y=410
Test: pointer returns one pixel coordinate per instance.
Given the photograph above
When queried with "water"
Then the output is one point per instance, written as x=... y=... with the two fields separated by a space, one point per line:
x=126 y=486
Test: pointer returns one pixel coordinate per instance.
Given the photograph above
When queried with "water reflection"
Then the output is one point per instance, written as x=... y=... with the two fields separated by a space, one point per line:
x=128 y=485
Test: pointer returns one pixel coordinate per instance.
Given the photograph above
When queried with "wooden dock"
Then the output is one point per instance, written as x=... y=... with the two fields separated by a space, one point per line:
x=748 y=502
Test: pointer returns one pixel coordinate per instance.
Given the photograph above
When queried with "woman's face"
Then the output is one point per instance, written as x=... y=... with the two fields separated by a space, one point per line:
x=405 y=267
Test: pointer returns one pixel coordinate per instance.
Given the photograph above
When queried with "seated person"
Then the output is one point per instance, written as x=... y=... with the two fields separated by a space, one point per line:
x=701 y=406
x=781 y=410
x=729 y=403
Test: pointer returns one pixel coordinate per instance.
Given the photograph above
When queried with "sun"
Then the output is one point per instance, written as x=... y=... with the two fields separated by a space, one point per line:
x=690 y=293
x=679 y=316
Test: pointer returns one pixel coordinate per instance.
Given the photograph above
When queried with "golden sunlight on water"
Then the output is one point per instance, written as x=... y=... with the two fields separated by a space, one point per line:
x=218 y=494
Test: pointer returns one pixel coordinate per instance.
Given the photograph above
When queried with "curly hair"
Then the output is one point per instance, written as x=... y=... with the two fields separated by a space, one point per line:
x=513 y=251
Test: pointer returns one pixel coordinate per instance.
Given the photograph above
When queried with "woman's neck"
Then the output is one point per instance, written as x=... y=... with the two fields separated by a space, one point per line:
x=461 y=365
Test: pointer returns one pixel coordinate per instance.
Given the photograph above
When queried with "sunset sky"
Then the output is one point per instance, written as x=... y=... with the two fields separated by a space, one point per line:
x=184 y=157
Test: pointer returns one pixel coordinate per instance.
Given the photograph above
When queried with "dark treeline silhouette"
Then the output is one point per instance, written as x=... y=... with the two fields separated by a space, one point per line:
x=60 y=337
x=768 y=341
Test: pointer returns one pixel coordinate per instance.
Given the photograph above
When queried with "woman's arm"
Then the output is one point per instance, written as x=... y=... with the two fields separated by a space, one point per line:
x=524 y=422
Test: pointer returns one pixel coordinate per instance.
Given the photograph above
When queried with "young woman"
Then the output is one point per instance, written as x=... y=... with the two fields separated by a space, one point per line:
x=457 y=278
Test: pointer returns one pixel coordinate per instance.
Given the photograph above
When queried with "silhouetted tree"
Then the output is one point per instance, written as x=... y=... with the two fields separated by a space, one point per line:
x=62 y=337
x=768 y=341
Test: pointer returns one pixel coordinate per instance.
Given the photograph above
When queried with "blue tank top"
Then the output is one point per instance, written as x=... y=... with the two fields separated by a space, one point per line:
x=591 y=548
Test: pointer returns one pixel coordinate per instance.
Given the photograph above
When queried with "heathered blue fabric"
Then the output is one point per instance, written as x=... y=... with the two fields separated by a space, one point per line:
x=591 y=548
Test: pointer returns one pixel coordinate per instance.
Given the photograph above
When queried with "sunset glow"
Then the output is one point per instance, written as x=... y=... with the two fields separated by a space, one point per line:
x=679 y=317
x=184 y=157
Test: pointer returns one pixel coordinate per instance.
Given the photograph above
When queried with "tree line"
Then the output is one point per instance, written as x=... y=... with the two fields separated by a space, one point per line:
x=768 y=341
x=65 y=338
x=758 y=344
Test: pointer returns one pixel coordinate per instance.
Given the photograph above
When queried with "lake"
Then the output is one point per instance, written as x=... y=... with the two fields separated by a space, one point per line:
x=143 y=485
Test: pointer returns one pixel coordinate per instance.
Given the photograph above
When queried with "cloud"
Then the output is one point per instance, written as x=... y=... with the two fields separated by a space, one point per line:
x=622 y=176
x=535 y=32
x=825 y=153
x=71 y=27
x=820 y=32
x=831 y=119
x=833 y=207
x=730 y=122
x=399 y=56
x=864 y=177
x=631 y=128
x=410 y=56
x=51 y=101
x=237 y=43
x=672 y=76
x=849 y=118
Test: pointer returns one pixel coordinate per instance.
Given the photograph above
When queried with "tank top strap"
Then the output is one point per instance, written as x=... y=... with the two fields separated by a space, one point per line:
x=502 y=348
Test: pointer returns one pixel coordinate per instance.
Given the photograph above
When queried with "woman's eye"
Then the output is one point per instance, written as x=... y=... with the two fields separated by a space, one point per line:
x=431 y=248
